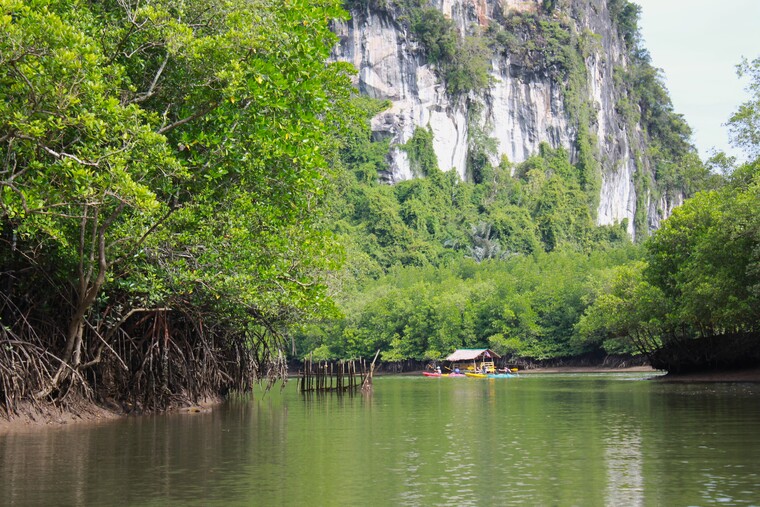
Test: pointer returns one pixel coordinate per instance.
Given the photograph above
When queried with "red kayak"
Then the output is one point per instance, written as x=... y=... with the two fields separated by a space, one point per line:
x=431 y=374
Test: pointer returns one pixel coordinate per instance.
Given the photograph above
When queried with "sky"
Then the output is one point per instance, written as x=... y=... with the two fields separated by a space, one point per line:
x=697 y=44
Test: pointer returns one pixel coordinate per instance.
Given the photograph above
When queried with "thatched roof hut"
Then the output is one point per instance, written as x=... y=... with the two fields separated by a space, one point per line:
x=461 y=355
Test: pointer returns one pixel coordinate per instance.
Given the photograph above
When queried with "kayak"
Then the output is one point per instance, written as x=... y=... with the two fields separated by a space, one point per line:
x=489 y=375
x=432 y=374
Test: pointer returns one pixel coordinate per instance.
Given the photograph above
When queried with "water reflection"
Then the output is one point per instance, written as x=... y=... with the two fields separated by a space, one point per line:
x=181 y=458
x=559 y=440
x=623 y=458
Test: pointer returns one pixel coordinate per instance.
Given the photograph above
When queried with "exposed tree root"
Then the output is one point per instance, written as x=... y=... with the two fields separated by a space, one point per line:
x=153 y=360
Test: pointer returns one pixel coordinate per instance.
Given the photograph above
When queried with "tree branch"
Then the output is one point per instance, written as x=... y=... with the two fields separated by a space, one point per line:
x=188 y=119
x=68 y=155
x=149 y=93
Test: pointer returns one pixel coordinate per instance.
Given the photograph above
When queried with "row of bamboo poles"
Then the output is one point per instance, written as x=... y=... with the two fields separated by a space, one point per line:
x=336 y=376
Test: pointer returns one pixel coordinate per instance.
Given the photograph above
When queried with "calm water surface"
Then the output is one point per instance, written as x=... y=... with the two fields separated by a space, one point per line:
x=586 y=440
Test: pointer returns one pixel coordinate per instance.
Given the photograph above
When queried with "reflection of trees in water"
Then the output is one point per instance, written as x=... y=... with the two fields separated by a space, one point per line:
x=140 y=461
x=623 y=460
x=28 y=460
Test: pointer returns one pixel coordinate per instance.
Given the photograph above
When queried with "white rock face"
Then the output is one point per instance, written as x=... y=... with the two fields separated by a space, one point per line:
x=388 y=68
x=618 y=196
x=521 y=115
x=519 y=110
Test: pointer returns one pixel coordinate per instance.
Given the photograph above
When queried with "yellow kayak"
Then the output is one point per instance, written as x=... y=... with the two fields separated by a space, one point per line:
x=476 y=375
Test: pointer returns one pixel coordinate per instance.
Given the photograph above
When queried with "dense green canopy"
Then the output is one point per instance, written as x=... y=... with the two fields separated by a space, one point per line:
x=161 y=157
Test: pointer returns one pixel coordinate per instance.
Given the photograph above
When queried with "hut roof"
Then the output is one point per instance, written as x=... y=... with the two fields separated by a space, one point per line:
x=471 y=354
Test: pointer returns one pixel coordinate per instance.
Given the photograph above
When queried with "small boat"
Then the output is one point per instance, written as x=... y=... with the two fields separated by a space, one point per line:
x=454 y=374
x=432 y=374
x=475 y=363
x=500 y=375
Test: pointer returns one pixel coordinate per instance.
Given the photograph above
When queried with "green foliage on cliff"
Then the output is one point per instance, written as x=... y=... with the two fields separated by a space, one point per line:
x=670 y=167
x=541 y=45
x=419 y=149
x=626 y=14
x=462 y=62
x=538 y=44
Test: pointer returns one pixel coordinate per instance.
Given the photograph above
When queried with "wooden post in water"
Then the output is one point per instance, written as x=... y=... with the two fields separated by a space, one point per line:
x=326 y=376
x=367 y=384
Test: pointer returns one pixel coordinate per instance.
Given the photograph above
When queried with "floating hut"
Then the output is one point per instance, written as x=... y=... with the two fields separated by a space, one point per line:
x=473 y=360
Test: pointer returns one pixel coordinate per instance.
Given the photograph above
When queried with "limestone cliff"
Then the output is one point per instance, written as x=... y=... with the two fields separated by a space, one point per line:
x=525 y=103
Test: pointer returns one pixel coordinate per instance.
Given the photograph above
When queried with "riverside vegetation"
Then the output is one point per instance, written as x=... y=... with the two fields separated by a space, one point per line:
x=188 y=191
x=164 y=168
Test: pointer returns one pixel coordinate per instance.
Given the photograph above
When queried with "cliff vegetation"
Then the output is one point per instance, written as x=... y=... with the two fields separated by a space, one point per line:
x=573 y=75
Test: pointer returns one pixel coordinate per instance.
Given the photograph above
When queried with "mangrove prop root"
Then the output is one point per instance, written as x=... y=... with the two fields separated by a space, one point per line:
x=153 y=361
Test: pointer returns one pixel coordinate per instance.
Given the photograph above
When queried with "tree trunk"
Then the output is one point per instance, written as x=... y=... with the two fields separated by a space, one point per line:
x=86 y=295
